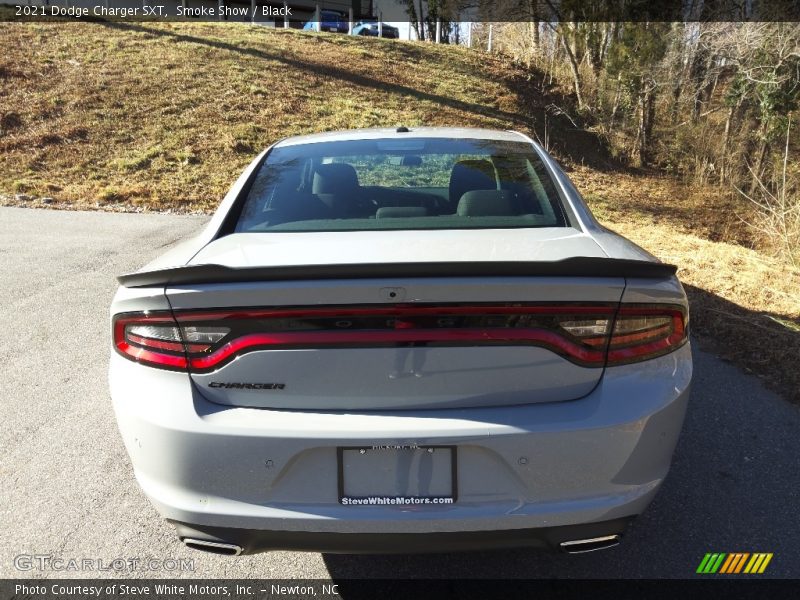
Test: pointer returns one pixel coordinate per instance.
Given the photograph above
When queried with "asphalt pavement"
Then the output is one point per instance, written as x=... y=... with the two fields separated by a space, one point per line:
x=68 y=490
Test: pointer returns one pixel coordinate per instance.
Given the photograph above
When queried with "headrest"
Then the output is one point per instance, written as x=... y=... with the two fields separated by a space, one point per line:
x=334 y=178
x=476 y=174
x=393 y=212
x=485 y=203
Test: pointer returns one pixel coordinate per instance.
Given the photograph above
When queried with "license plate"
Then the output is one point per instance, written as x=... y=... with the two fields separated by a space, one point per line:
x=397 y=475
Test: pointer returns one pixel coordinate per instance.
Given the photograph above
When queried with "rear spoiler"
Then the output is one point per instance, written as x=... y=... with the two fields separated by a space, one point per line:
x=569 y=267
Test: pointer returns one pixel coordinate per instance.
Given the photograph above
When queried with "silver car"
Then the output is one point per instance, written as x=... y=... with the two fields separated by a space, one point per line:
x=399 y=340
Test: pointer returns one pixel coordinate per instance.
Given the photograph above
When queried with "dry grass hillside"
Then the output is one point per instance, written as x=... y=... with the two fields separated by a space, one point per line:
x=164 y=116
x=745 y=304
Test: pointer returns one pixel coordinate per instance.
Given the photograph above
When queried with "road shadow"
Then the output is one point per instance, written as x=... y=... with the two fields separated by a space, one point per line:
x=762 y=343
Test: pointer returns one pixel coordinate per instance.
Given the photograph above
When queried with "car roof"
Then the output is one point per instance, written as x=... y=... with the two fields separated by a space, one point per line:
x=412 y=132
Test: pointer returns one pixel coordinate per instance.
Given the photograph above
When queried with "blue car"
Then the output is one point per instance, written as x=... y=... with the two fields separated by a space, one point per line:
x=370 y=27
x=330 y=20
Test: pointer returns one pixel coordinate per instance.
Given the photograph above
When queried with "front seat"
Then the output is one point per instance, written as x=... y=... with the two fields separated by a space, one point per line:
x=470 y=175
x=336 y=185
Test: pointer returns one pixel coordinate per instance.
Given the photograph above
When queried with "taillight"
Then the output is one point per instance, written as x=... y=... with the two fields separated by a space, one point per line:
x=560 y=328
x=642 y=332
x=151 y=338
x=587 y=335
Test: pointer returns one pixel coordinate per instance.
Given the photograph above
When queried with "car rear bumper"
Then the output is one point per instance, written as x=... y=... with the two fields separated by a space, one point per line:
x=568 y=538
x=269 y=477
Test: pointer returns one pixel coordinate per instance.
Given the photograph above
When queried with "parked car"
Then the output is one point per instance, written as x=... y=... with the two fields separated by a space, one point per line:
x=401 y=340
x=330 y=20
x=371 y=28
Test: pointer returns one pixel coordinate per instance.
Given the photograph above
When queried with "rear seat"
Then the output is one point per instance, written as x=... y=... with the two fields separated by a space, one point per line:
x=394 y=212
x=486 y=203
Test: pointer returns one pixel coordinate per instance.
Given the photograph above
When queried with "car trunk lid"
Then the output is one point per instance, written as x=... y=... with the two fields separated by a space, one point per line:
x=398 y=341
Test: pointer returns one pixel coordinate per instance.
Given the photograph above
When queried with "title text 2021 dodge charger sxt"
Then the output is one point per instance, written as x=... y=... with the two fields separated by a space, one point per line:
x=401 y=340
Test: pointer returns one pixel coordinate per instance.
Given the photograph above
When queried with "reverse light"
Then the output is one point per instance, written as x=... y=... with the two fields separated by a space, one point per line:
x=588 y=327
x=158 y=332
x=205 y=335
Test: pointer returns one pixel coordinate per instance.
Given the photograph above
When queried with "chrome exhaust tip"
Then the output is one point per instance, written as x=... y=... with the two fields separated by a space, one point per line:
x=590 y=544
x=213 y=547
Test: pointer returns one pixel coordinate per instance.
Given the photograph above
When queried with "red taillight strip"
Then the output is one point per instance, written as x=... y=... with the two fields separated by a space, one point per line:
x=145 y=355
x=265 y=341
x=391 y=311
x=639 y=336
x=638 y=345
x=637 y=352
x=644 y=351
x=155 y=358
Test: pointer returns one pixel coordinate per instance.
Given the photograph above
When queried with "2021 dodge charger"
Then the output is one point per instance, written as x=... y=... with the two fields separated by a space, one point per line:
x=401 y=340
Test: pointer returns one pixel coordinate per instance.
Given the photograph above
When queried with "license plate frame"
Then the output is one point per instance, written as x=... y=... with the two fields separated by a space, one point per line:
x=420 y=500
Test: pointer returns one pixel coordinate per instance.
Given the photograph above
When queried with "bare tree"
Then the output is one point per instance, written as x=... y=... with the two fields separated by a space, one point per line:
x=778 y=208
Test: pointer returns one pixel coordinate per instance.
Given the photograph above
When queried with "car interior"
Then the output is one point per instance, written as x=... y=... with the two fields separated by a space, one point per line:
x=322 y=192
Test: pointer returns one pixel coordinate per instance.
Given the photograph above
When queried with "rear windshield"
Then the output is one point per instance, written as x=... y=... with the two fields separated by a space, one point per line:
x=409 y=183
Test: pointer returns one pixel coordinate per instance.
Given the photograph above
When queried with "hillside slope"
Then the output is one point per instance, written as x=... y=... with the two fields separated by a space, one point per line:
x=166 y=115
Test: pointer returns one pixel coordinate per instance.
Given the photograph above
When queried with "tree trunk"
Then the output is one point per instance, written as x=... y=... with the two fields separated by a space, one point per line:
x=641 y=136
x=645 y=129
x=678 y=85
x=617 y=97
x=761 y=154
x=723 y=158
x=420 y=23
x=727 y=163
x=697 y=73
x=412 y=17
x=595 y=46
x=609 y=33
x=533 y=15
x=650 y=112
x=576 y=76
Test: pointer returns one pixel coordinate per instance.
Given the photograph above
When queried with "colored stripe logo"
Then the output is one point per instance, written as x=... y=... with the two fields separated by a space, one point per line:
x=734 y=563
